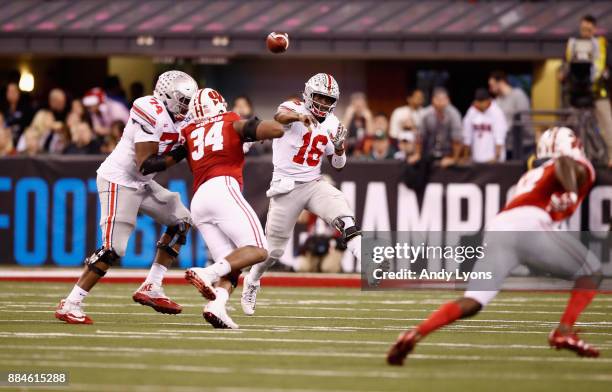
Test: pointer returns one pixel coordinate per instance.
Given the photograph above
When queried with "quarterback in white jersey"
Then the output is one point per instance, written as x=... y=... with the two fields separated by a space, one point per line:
x=312 y=132
x=125 y=186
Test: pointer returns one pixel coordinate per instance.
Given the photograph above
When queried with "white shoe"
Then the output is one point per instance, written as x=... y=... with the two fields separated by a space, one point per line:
x=249 y=296
x=216 y=315
x=71 y=313
x=203 y=279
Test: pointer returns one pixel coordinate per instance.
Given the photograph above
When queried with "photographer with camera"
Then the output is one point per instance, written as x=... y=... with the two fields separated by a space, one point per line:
x=586 y=75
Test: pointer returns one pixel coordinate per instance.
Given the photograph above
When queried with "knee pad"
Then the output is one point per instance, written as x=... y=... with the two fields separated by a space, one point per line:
x=346 y=225
x=176 y=236
x=107 y=256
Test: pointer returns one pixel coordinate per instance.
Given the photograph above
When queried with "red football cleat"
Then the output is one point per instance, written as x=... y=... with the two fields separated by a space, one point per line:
x=202 y=280
x=572 y=342
x=402 y=347
x=153 y=296
x=71 y=313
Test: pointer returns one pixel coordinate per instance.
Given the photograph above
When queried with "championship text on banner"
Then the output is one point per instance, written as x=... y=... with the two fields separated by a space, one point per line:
x=49 y=208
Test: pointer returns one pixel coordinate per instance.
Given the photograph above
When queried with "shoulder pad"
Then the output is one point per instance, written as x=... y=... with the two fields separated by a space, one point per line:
x=147 y=109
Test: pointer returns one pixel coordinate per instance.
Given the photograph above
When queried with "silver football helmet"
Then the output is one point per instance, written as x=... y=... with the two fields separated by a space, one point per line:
x=175 y=89
x=322 y=84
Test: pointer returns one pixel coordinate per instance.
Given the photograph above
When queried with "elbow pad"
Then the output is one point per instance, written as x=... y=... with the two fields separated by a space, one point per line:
x=153 y=164
x=179 y=153
x=249 y=132
x=338 y=161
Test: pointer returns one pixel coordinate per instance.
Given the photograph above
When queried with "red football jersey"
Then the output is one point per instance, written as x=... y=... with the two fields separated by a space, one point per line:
x=537 y=186
x=215 y=148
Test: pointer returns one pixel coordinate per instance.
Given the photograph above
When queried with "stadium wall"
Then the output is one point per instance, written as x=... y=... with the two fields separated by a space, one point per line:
x=49 y=211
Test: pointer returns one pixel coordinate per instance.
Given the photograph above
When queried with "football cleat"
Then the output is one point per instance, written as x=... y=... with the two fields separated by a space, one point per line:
x=153 y=296
x=572 y=342
x=249 y=296
x=203 y=280
x=216 y=315
x=403 y=346
x=71 y=313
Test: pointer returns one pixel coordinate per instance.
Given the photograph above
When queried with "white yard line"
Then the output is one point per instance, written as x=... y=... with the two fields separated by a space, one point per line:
x=376 y=374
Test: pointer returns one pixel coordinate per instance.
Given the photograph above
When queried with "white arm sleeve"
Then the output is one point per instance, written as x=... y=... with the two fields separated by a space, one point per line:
x=338 y=161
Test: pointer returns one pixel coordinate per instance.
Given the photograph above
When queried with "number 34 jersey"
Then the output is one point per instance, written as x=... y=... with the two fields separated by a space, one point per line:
x=215 y=148
x=298 y=153
x=149 y=121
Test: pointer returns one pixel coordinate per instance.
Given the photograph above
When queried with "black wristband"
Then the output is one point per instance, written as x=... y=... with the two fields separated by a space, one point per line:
x=249 y=132
x=153 y=164
x=179 y=153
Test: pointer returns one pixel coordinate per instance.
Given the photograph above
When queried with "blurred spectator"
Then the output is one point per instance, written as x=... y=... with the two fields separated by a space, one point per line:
x=57 y=104
x=407 y=147
x=511 y=101
x=440 y=133
x=113 y=90
x=83 y=141
x=484 y=129
x=16 y=110
x=32 y=143
x=587 y=72
x=103 y=112
x=381 y=147
x=77 y=114
x=363 y=147
x=409 y=116
x=58 y=140
x=6 y=139
x=358 y=119
x=136 y=91
x=243 y=106
x=111 y=140
x=42 y=126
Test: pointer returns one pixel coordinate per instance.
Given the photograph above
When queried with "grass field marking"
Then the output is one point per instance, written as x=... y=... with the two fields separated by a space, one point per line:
x=310 y=372
x=30 y=305
x=477 y=320
x=135 y=335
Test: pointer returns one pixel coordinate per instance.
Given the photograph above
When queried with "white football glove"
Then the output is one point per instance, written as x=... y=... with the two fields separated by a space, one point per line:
x=339 y=137
x=562 y=202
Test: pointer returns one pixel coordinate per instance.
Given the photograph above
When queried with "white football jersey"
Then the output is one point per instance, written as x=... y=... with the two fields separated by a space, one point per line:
x=149 y=122
x=482 y=131
x=298 y=153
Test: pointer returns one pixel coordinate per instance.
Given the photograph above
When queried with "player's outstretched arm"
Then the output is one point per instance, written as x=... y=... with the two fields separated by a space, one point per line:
x=256 y=129
x=148 y=161
x=286 y=117
x=338 y=158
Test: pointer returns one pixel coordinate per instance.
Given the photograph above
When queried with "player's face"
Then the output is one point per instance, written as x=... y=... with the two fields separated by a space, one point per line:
x=322 y=103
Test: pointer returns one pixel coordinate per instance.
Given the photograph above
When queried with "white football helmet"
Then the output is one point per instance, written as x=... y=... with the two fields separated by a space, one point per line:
x=558 y=141
x=207 y=103
x=322 y=84
x=175 y=89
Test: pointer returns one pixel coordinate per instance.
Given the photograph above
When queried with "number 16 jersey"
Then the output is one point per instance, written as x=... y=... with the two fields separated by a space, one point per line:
x=215 y=148
x=298 y=153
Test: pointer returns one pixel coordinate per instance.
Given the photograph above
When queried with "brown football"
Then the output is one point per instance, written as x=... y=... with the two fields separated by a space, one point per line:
x=277 y=42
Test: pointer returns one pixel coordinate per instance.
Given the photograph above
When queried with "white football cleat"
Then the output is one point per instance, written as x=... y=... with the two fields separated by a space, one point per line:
x=216 y=315
x=203 y=279
x=249 y=296
x=152 y=295
x=71 y=313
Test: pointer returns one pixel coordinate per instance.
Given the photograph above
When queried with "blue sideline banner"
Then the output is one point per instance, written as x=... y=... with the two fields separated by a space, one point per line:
x=49 y=209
